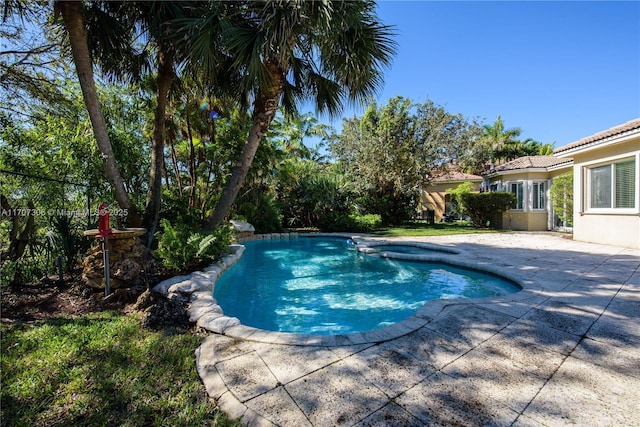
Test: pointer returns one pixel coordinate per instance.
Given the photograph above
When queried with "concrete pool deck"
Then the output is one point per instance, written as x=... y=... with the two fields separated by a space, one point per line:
x=566 y=350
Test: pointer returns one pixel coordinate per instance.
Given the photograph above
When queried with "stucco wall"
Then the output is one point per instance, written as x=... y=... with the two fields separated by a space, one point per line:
x=526 y=219
x=609 y=230
x=619 y=227
x=434 y=196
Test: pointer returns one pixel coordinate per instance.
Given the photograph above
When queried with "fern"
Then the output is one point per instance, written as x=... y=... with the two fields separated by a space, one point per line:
x=182 y=249
x=205 y=244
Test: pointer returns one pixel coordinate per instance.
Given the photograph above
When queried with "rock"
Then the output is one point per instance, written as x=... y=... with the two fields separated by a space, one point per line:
x=126 y=270
x=242 y=227
x=243 y=230
x=129 y=260
x=144 y=301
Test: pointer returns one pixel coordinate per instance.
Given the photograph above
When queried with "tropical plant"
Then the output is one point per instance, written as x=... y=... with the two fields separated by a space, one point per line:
x=68 y=241
x=292 y=132
x=483 y=207
x=180 y=248
x=528 y=147
x=284 y=52
x=561 y=192
x=72 y=14
x=112 y=40
x=499 y=139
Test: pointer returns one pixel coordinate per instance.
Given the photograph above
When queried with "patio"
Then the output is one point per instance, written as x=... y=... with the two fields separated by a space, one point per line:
x=566 y=350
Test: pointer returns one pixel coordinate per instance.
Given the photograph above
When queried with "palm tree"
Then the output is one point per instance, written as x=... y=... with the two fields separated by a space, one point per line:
x=154 y=18
x=112 y=30
x=500 y=139
x=74 y=23
x=292 y=131
x=282 y=52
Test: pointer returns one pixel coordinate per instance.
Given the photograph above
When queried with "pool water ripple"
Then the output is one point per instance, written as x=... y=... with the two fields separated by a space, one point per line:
x=319 y=286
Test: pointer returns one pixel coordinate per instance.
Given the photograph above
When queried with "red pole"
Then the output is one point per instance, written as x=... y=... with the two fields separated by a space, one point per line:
x=104 y=230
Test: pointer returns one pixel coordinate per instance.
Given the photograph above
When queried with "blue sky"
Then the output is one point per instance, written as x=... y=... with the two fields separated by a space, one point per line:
x=558 y=70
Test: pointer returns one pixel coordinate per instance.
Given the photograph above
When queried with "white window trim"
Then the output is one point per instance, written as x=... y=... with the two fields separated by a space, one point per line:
x=546 y=196
x=586 y=186
x=524 y=194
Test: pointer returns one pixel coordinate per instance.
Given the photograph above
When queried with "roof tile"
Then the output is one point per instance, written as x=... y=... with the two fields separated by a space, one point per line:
x=453 y=175
x=616 y=130
x=528 y=162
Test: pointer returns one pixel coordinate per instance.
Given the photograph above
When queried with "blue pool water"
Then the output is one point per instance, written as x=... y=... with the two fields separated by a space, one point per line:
x=318 y=286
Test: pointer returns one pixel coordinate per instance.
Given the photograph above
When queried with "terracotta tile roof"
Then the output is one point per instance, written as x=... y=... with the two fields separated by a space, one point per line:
x=453 y=175
x=529 y=162
x=597 y=137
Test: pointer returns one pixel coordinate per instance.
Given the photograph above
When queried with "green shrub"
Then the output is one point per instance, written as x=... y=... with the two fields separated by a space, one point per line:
x=562 y=197
x=181 y=249
x=456 y=196
x=68 y=241
x=482 y=207
x=260 y=210
x=366 y=223
x=338 y=221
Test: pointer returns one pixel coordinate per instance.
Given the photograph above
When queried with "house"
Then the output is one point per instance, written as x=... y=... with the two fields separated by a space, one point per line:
x=434 y=196
x=606 y=171
x=529 y=178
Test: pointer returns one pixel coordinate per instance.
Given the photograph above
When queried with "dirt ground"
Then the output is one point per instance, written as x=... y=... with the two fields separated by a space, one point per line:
x=48 y=298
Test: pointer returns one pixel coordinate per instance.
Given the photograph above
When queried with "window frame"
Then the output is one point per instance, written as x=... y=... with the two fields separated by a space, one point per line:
x=542 y=196
x=520 y=207
x=589 y=184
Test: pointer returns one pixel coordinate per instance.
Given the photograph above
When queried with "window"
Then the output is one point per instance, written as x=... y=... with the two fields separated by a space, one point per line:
x=613 y=185
x=518 y=189
x=539 y=199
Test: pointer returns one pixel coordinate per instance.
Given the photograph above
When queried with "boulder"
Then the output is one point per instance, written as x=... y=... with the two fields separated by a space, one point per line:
x=243 y=229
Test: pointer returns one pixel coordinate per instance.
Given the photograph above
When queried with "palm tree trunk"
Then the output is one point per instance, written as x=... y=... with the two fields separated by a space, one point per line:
x=264 y=110
x=71 y=12
x=153 y=202
x=192 y=160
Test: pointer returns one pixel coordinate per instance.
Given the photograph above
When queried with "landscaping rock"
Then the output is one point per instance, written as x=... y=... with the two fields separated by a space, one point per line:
x=130 y=262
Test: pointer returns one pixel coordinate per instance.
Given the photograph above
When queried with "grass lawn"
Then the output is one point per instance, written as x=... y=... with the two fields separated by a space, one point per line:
x=101 y=369
x=422 y=228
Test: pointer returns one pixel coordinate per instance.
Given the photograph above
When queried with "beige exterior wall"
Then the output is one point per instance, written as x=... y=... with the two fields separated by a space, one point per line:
x=526 y=221
x=612 y=226
x=619 y=231
x=527 y=218
x=435 y=196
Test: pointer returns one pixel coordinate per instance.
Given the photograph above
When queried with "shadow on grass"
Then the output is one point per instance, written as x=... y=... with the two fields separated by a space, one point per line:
x=100 y=369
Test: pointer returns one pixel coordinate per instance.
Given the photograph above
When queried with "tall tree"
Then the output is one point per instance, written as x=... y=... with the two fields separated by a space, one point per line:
x=74 y=23
x=129 y=39
x=392 y=150
x=154 y=18
x=27 y=56
x=113 y=28
x=285 y=51
x=498 y=139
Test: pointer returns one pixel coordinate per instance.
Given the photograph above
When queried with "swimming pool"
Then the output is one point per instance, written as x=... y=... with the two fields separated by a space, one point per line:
x=319 y=286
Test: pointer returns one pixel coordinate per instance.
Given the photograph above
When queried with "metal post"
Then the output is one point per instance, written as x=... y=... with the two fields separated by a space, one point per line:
x=59 y=265
x=105 y=255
